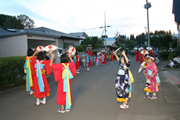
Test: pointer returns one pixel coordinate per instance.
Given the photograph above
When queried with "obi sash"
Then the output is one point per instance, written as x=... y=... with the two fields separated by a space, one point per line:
x=27 y=70
x=66 y=75
x=102 y=58
x=87 y=59
x=39 y=66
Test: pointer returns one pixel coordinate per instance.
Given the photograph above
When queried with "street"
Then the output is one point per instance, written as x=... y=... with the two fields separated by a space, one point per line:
x=94 y=99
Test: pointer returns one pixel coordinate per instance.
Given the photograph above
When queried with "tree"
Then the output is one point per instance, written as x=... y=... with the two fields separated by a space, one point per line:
x=26 y=21
x=95 y=42
x=131 y=44
x=12 y=22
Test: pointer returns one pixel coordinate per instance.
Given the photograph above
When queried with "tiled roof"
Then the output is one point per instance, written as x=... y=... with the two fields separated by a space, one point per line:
x=42 y=31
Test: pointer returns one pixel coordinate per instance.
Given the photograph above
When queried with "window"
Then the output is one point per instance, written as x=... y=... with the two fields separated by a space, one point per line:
x=66 y=45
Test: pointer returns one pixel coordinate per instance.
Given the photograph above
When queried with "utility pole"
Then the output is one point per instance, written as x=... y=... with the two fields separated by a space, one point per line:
x=147 y=6
x=105 y=28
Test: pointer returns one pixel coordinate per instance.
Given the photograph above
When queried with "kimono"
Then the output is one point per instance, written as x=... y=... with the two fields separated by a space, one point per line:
x=96 y=60
x=88 y=59
x=63 y=73
x=142 y=58
x=28 y=71
x=111 y=56
x=100 y=59
x=77 y=61
x=40 y=68
x=104 y=60
x=137 y=56
x=123 y=83
x=152 y=81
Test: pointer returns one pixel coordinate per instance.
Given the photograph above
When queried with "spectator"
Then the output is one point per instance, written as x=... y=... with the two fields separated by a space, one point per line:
x=170 y=64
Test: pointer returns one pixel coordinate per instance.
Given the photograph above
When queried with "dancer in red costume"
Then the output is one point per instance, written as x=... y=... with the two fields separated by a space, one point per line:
x=137 y=55
x=63 y=73
x=88 y=54
x=39 y=68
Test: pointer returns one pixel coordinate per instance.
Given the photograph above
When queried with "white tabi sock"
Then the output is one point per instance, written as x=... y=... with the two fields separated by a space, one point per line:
x=147 y=93
x=154 y=94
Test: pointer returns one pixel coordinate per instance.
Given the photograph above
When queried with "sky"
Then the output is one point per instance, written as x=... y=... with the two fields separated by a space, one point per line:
x=123 y=16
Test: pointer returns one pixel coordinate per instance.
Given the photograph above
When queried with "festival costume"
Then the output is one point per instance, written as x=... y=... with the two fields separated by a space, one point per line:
x=88 y=58
x=111 y=56
x=41 y=86
x=77 y=61
x=152 y=82
x=96 y=60
x=28 y=71
x=63 y=73
x=100 y=59
x=142 y=58
x=104 y=60
x=137 y=56
x=123 y=82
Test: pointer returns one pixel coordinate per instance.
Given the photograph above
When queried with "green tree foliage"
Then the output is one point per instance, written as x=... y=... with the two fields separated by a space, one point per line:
x=95 y=42
x=131 y=44
x=10 y=22
x=79 y=48
x=19 y=22
x=26 y=21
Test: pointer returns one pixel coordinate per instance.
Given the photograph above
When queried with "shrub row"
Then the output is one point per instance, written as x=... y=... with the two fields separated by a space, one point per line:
x=11 y=71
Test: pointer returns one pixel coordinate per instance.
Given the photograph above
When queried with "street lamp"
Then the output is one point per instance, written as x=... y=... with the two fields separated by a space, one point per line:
x=147 y=6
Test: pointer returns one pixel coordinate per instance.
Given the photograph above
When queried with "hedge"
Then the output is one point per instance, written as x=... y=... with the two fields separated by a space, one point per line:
x=11 y=71
x=164 y=54
x=79 y=48
x=171 y=56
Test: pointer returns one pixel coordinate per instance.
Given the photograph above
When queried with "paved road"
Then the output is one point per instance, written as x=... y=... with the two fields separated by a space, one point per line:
x=94 y=99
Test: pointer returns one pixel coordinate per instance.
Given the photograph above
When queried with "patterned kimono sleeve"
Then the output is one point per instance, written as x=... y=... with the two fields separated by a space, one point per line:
x=128 y=64
x=57 y=69
x=154 y=69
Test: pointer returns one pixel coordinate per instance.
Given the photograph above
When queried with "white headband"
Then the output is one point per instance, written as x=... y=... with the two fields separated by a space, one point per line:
x=149 y=57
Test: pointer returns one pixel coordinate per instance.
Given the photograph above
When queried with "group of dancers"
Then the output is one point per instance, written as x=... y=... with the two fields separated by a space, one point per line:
x=37 y=67
x=124 y=78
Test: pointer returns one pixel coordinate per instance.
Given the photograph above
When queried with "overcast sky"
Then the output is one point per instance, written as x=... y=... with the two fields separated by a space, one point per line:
x=123 y=16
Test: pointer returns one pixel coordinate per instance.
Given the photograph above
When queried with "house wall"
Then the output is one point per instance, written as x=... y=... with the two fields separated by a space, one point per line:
x=60 y=43
x=13 y=46
x=75 y=42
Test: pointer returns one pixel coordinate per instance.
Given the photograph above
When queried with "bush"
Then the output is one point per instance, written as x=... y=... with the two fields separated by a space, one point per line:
x=79 y=48
x=171 y=56
x=164 y=54
x=11 y=71
x=178 y=51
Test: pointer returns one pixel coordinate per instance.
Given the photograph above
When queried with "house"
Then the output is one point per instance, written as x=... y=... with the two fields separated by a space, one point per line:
x=110 y=44
x=82 y=35
x=15 y=42
x=176 y=12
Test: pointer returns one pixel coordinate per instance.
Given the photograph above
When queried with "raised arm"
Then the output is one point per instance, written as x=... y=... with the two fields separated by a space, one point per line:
x=52 y=58
x=115 y=53
x=124 y=54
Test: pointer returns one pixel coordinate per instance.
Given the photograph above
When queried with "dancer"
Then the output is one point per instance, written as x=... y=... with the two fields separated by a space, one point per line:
x=88 y=54
x=63 y=73
x=104 y=60
x=40 y=67
x=111 y=57
x=77 y=62
x=137 y=55
x=152 y=78
x=28 y=70
x=100 y=59
x=96 y=60
x=123 y=80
